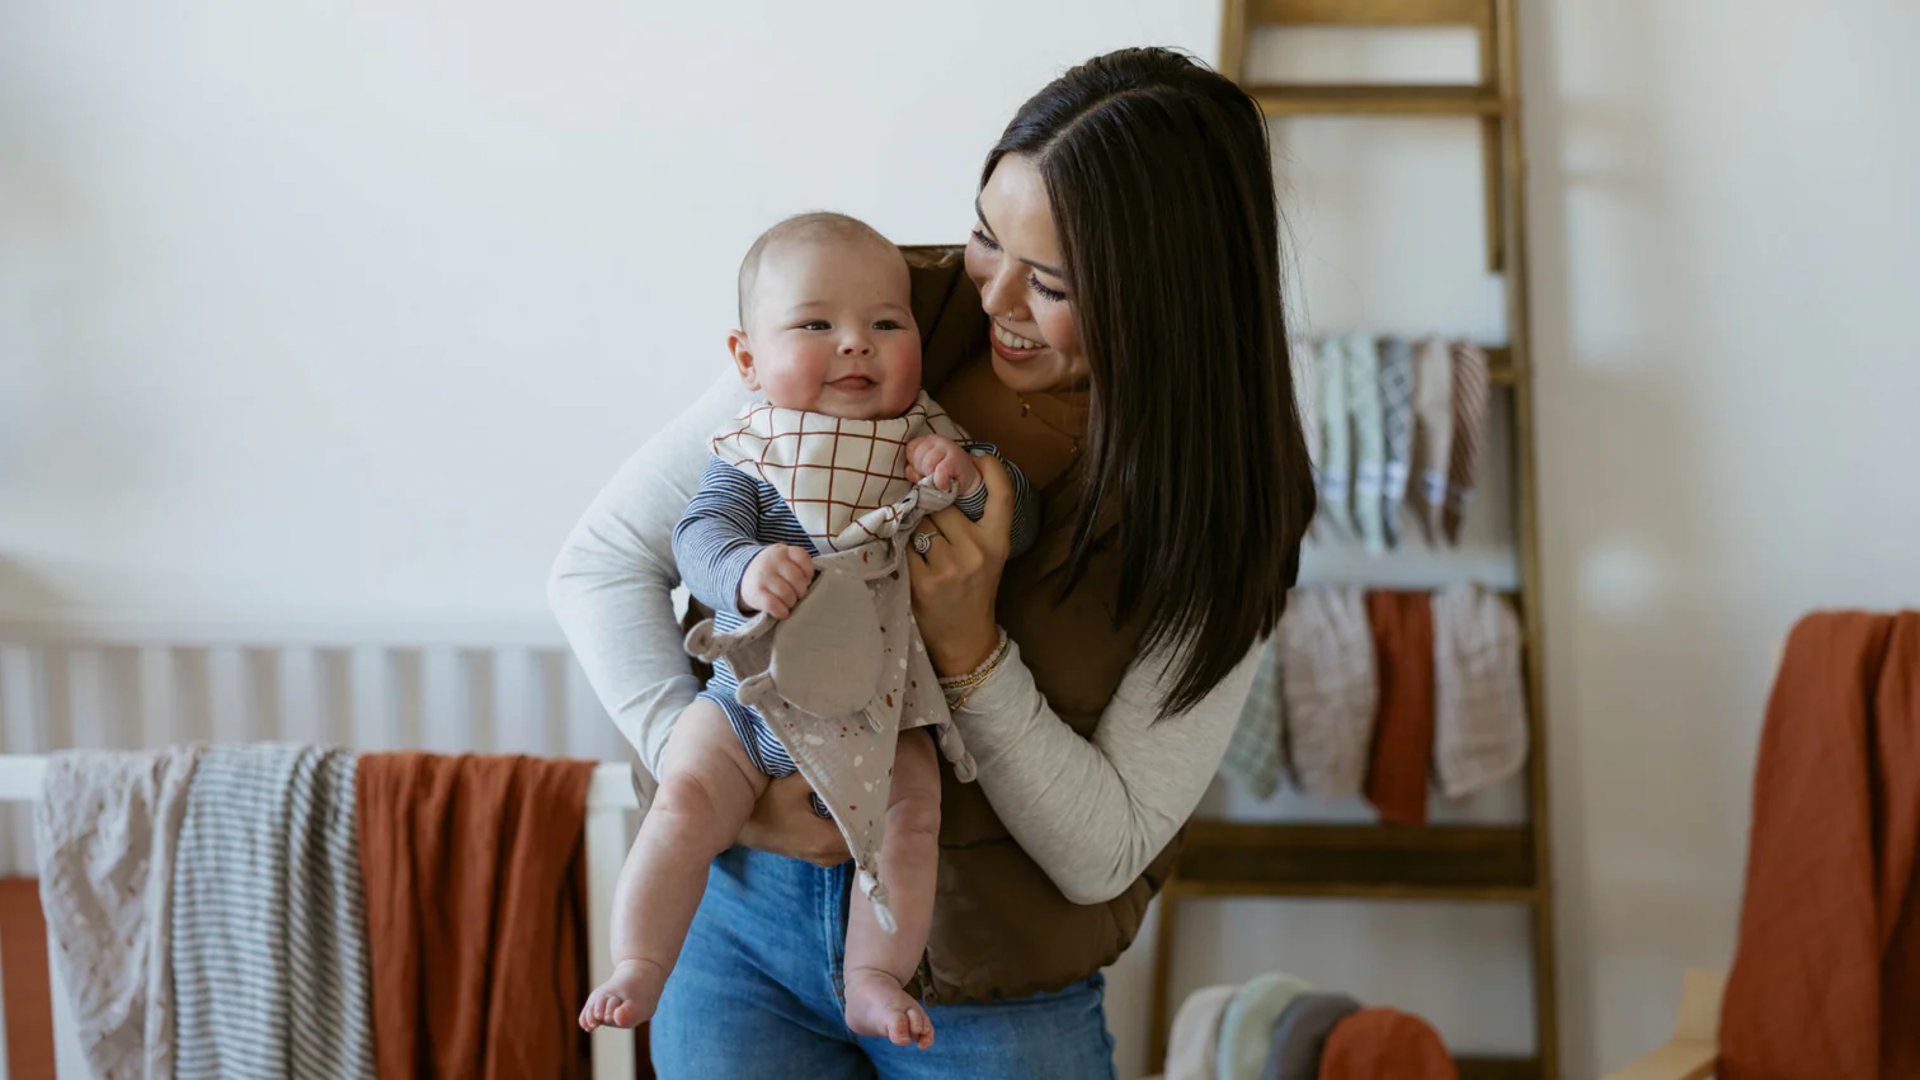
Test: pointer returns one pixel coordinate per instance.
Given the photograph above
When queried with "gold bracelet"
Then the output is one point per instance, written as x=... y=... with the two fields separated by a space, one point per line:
x=958 y=697
x=959 y=688
x=980 y=673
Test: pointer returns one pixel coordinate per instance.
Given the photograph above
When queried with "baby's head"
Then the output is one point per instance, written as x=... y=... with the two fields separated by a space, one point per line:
x=826 y=322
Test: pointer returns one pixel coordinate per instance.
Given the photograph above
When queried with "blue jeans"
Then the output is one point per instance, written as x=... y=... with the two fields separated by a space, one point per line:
x=757 y=994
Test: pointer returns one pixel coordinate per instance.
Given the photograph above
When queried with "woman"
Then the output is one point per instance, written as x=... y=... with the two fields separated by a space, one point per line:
x=1125 y=347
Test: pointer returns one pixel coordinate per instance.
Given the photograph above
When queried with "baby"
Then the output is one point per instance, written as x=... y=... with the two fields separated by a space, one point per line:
x=829 y=341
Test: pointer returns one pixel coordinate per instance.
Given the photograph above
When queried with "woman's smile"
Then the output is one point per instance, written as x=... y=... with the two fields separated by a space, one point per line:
x=1013 y=347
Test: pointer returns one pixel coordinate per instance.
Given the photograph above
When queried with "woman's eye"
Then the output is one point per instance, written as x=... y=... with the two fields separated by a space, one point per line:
x=980 y=236
x=1055 y=295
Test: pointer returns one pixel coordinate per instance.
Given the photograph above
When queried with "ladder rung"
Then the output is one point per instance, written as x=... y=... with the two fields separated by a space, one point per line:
x=1355 y=890
x=1442 y=862
x=1300 y=99
x=1480 y=1067
x=1370 y=12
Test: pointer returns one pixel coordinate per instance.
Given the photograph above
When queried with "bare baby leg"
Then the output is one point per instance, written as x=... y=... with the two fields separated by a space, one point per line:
x=708 y=786
x=879 y=964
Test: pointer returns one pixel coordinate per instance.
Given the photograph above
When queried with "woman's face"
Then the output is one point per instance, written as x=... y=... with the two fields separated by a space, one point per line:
x=1014 y=258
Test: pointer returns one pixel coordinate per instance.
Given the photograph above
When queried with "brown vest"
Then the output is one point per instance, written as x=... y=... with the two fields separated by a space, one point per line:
x=1000 y=927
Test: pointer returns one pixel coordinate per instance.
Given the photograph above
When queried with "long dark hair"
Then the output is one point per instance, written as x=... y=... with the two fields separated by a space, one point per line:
x=1161 y=183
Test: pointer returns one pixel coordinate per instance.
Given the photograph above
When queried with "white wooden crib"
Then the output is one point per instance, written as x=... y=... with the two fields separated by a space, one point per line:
x=610 y=801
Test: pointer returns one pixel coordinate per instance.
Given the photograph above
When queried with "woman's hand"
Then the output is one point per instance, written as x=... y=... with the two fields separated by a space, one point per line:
x=783 y=823
x=955 y=580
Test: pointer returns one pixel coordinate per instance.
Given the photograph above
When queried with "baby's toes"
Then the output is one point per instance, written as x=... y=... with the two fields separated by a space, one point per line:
x=600 y=1009
x=900 y=1029
x=921 y=1027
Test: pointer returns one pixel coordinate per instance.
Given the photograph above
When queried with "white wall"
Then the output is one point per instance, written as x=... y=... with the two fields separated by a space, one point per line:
x=1728 y=244
x=341 y=312
x=345 y=310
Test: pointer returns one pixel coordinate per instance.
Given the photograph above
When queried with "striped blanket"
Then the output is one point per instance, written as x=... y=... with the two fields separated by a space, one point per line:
x=269 y=948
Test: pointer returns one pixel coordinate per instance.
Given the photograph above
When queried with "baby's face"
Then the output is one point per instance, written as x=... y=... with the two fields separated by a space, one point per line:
x=831 y=331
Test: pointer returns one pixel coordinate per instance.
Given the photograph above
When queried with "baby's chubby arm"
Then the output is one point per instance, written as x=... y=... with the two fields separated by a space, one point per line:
x=721 y=557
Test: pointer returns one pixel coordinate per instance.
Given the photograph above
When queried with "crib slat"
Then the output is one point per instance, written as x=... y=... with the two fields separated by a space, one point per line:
x=87 y=698
x=613 y=1050
x=590 y=734
x=375 y=720
x=446 y=701
x=159 y=702
x=68 y=1059
x=550 y=698
x=302 y=710
x=228 y=693
x=23 y=702
x=23 y=722
x=519 y=722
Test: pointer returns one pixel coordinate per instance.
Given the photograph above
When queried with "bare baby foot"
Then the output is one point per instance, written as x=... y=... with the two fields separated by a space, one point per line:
x=877 y=1006
x=627 y=999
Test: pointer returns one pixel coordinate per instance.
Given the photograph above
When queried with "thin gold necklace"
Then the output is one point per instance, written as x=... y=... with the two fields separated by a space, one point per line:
x=1027 y=413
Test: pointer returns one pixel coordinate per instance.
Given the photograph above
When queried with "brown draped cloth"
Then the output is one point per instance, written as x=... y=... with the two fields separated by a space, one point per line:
x=1385 y=1044
x=1403 y=733
x=476 y=889
x=1826 y=977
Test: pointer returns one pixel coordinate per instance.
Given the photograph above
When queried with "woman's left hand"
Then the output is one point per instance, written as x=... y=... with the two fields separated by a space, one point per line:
x=955 y=580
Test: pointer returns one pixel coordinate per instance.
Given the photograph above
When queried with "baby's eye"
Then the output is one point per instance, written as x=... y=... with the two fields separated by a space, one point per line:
x=816 y=324
x=888 y=324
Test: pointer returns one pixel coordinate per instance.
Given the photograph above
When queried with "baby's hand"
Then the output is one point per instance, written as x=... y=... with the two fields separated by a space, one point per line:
x=776 y=579
x=939 y=461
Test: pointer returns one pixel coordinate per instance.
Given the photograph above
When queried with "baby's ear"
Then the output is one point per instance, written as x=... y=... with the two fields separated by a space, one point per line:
x=742 y=352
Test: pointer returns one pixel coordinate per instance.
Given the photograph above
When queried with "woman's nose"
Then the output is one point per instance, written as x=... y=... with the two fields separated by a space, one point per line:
x=1005 y=294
